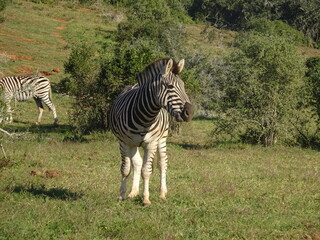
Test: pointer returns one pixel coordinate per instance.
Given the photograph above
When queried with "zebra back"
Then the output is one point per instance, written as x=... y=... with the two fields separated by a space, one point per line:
x=25 y=87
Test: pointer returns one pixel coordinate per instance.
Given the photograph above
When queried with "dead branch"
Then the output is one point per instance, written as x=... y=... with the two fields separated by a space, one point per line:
x=12 y=134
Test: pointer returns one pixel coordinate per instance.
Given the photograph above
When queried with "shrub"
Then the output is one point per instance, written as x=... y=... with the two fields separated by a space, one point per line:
x=277 y=28
x=313 y=81
x=259 y=91
x=95 y=80
x=99 y=72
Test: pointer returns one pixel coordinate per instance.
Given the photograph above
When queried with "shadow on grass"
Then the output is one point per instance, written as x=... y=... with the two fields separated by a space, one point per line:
x=33 y=128
x=190 y=146
x=52 y=193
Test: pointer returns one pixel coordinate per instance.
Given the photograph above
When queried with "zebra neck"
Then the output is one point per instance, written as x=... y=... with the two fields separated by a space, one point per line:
x=146 y=108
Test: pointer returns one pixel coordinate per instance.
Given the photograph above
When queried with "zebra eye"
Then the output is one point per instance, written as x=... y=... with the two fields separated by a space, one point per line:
x=170 y=86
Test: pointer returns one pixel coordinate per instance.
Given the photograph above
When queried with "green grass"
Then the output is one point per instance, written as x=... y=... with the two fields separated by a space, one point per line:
x=42 y=35
x=244 y=192
x=222 y=192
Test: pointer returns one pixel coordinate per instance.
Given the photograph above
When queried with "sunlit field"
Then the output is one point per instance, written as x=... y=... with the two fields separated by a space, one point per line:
x=222 y=192
x=52 y=187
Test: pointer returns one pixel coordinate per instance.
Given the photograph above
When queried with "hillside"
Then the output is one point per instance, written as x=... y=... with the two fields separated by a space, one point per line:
x=38 y=37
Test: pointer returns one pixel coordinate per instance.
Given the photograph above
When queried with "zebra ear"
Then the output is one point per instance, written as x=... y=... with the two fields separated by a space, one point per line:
x=168 y=67
x=180 y=65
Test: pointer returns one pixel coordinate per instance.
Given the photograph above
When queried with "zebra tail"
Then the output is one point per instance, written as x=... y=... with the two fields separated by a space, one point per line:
x=50 y=97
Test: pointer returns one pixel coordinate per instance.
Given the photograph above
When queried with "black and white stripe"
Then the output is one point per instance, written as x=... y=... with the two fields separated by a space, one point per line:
x=138 y=117
x=22 y=88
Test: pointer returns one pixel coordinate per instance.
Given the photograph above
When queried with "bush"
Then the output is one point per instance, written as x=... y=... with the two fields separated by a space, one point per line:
x=306 y=121
x=95 y=80
x=259 y=90
x=276 y=28
x=84 y=68
x=98 y=72
x=313 y=81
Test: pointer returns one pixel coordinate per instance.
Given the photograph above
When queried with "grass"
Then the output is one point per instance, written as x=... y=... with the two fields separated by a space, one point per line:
x=38 y=37
x=222 y=192
x=244 y=192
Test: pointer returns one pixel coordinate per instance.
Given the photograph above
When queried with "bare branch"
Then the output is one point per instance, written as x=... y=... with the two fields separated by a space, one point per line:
x=12 y=134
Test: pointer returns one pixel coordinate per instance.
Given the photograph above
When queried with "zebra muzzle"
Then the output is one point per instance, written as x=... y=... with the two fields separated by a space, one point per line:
x=187 y=112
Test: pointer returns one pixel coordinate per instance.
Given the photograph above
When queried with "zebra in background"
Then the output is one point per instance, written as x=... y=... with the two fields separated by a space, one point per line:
x=138 y=118
x=22 y=88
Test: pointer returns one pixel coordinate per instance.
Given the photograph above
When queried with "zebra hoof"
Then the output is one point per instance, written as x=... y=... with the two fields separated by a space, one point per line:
x=146 y=202
x=121 y=198
x=163 y=198
x=133 y=194
x=37 y=123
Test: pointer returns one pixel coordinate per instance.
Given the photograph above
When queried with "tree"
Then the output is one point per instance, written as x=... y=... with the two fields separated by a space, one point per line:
x=259 y=90
x=313 y=81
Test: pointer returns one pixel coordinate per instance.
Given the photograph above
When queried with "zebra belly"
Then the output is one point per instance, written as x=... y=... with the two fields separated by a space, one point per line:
x=24 y=96
x=143 y=137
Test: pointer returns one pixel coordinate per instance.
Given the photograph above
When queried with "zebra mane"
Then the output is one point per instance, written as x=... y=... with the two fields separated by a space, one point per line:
x=154 y=69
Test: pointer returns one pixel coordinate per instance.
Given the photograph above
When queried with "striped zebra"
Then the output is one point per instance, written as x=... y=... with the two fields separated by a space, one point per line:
x=138 y=118
x=22 y=88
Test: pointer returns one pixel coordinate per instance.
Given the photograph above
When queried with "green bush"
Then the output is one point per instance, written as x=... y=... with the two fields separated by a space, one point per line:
x=84 y=68
x=95 y=80
x=277 y=28
x=98 y=72
x=313 y=81
x=259 y=90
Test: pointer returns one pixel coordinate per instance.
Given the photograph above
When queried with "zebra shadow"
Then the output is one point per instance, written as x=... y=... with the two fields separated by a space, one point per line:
x=190 y=146
x=52 y=193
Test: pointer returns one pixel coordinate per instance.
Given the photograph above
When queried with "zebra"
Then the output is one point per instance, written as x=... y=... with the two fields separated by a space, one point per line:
x=138 y=118
x=22 y=88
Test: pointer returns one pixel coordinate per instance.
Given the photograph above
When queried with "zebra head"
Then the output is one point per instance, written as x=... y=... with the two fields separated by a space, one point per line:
x=172 y=95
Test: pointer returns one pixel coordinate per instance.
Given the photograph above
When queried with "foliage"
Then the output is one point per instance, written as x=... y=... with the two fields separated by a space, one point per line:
x=96 y=77
x=96 y=80
x=306 y=120
x=278 y=28
x=3 y=5
x=304 y=15
x=84 y=68
x=152 y=24
x=313 y=80
x=260 y=88
x=159 y=10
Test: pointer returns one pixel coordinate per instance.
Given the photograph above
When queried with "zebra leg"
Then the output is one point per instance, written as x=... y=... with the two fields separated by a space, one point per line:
x=137 y=165
x=54 y=112
x=125 y=169
x=40 y=108
x=50 y=105
x=9 y=111
x=149 y=153
x=163 y=163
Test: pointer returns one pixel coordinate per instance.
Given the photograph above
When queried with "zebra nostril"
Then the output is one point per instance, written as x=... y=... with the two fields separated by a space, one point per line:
x=187 y=112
